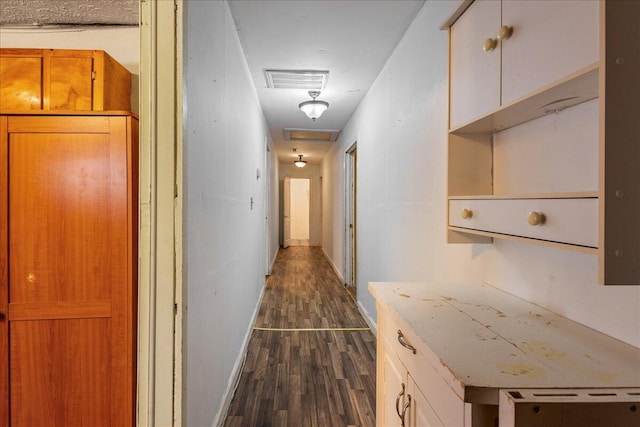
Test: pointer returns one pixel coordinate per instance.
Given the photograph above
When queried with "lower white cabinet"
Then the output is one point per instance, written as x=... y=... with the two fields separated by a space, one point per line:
x=404 y=403
x=470 y=355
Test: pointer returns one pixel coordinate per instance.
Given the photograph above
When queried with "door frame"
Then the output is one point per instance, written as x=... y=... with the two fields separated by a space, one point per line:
x=160 y=307
x=350 y=217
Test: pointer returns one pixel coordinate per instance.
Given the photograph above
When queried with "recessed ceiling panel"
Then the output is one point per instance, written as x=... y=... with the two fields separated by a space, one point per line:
x=311 y=134
x=296 y=79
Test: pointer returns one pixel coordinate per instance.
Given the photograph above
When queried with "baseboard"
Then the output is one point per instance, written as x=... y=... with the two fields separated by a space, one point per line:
x=367 y=318
x=234 y=379
x=273 y=261
x=335 y=269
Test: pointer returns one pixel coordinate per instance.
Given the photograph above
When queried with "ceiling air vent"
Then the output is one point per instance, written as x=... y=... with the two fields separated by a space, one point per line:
x=311 y=134
x=296 y=79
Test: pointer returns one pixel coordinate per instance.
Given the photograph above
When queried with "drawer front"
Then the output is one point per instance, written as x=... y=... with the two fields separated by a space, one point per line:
x=448 y=405
x=573 y=221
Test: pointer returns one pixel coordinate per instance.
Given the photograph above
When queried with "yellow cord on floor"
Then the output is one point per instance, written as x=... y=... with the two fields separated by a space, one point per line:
x=310 y=329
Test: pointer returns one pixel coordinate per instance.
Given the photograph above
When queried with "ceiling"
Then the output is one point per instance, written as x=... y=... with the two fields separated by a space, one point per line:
x=69 y=12
x=352 y=39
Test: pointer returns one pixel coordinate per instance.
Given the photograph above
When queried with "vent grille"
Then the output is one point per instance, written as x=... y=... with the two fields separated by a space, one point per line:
x=296 y=79
x=311 y=134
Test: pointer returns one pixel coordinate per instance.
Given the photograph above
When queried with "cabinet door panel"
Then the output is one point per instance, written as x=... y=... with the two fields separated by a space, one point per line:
x=550 y=40
x=20 y=83
x=70 y=83
x=71 y=299
x=422 y=414
x=394 y=381
x=475 y=74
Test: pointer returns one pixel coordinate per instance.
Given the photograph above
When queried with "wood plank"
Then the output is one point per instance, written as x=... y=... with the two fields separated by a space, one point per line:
x=306 y=377
x=62 y=124
x=4 y=275
x=59 y=310
x=620 y=151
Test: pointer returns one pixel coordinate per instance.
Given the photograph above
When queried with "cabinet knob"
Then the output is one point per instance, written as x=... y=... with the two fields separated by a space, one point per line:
x=536 y=218
x=505 y=32
x=489 y=44
x=466 y=213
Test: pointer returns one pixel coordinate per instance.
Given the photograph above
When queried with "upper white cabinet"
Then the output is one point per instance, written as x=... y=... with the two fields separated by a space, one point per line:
x=544 y=106
x=502 y=51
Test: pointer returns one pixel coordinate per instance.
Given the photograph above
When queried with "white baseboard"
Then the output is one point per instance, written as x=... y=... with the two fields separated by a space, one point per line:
x=367 y=318
x=237 y=368
x=273 y=261
x=326 y=255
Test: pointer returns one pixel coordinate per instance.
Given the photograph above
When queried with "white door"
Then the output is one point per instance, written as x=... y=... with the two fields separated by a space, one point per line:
x=286 y=241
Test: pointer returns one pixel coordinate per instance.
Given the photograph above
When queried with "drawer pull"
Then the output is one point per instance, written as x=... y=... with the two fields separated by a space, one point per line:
x=536 y=218
x=489 y=45
x=466 y=214
x=505 y=32
x=404 y=343
x=398 y=401
x=404 y=410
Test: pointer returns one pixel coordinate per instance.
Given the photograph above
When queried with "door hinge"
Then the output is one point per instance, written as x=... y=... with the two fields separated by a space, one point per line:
x=93 y=75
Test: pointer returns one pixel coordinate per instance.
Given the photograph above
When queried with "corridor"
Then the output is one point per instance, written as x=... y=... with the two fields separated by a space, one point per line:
x=311 y=356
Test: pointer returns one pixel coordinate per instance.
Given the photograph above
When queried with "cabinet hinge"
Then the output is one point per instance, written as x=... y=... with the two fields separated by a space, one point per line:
x=93 y=75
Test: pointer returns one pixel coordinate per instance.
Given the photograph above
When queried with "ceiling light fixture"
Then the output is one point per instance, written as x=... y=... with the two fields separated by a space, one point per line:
x=300 y=163
x=314 y=109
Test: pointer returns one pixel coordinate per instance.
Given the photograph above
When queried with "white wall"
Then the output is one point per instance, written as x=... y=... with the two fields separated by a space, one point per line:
x=122 y=43
x=312 y=172
x=225 y=258
x=401 y=131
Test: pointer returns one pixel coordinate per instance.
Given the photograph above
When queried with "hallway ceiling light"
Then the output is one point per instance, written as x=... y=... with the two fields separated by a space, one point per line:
x=314 y=109
x=300 y=163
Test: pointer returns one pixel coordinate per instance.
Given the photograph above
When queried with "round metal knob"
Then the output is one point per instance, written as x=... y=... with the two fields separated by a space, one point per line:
x=536 y=218
x=505 y=32
x=466 y=213
x=489 y=44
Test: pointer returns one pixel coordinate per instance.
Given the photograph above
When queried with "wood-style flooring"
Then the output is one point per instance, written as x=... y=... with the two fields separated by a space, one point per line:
x=311 y=356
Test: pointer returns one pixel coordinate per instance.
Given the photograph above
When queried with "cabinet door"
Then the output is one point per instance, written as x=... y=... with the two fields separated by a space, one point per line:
x=474 y=73
x=395 y=388
x=20 y=82
x=69 y=74
x=4 y=278
x=422 y=414
x=550 y=40
x=70 y=292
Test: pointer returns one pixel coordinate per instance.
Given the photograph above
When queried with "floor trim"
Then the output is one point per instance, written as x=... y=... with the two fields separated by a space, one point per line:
x=335 y=269
x=234 y=379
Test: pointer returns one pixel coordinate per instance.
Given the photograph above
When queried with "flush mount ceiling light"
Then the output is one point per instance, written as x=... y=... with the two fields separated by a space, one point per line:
x=300 y=163
x=314 y=109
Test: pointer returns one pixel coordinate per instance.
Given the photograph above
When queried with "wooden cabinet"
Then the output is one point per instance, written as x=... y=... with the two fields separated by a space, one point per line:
x=59 y=79
x=473 y=355
x=404 y=403
x=557 y=124
x=538 y=44
x=68 y=184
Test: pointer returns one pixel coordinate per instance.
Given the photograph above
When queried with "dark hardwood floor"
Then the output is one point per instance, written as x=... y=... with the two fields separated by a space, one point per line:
x=311 y=358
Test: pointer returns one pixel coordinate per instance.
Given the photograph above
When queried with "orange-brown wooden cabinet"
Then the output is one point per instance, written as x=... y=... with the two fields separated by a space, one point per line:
x=68 y=269
x=62 y=79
